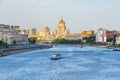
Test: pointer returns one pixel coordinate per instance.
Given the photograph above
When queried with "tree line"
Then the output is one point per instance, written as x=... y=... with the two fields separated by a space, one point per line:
x=65 y=41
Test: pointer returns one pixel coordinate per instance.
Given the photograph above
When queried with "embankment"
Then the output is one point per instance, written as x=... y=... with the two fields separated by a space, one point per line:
x=16 y=50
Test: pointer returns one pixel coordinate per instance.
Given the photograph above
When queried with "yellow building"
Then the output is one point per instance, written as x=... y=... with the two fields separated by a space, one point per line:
x=55 y=32
x=87 y=33
x=44 y=34
x=61 y=30
x=46 y=30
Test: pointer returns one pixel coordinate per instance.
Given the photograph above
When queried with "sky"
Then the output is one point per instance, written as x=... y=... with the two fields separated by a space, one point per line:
x=79 y=15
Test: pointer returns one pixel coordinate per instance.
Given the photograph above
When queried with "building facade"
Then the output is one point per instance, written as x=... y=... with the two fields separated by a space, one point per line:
x=23 y=32
x=87 y=33
x=32 y=32
x=115 y=32
x=101 y=35
x=116 y=39
x=4 y=28
x=61 y=30
x=109 y=34
x=44 y=34
x=46 y=29
x=74 y=36
x=10 y=34
x=17 y=29
x=10 y=38
x=9 y=28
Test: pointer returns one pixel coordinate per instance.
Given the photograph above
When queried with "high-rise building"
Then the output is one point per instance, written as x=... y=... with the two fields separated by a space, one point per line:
x=8 y=28
x=101 y=35
x=32 y=32
x=4 y=28
x=12 y=28
x=61 y=30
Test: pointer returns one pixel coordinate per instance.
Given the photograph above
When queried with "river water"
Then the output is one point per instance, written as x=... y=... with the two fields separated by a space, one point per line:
x=87 y=63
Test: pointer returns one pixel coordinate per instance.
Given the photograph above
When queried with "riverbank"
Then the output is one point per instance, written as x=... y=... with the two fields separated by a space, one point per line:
x=21 y=49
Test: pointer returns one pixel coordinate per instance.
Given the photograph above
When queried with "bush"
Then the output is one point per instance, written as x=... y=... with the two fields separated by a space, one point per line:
x=90 y=40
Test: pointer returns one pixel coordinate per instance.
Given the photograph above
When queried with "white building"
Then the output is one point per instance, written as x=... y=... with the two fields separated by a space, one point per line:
x=8 y=28
x=101 y=35
x=4 y=28
x=9 y=38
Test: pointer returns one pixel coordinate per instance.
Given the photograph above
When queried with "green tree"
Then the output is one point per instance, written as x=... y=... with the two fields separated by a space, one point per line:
x=90 y=40
x=3 y=44
x=14 y=42
x=32 y=40
x=65 y=41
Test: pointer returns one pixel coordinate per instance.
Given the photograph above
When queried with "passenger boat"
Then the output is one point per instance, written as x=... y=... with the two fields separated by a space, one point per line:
x=55 y=56
x=116 y=49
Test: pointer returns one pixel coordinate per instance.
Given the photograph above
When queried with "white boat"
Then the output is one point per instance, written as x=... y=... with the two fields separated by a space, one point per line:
x=116 y=49
x=55 y=56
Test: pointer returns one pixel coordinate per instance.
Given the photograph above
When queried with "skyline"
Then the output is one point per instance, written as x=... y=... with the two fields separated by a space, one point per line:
x=78 y=15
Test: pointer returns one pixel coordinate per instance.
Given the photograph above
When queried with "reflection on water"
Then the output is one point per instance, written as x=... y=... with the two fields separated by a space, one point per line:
x=87 y=63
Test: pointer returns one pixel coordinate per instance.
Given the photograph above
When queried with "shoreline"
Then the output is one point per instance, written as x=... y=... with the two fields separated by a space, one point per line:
x=12 y=51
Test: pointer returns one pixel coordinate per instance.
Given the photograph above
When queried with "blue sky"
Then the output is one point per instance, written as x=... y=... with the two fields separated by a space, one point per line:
x=79 y=15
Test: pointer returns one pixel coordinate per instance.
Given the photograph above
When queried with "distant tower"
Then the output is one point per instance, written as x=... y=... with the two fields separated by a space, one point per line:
x=61 y=31
x=12 y=28
x=32 y=31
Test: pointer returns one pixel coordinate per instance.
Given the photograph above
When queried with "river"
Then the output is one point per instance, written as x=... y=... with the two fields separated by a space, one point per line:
x=87 y=63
